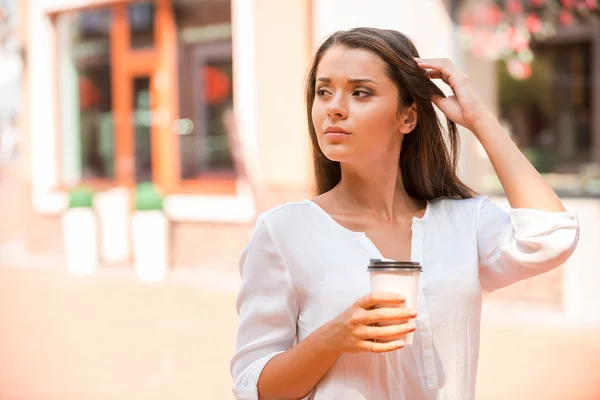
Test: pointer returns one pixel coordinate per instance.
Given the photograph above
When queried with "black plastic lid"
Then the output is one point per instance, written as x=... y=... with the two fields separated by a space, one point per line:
x=379 y=265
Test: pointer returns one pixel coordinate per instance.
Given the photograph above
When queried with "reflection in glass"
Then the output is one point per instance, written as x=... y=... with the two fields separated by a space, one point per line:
x=549 y=114
x=87 y=130
x=205 y=88
x=142 y=120
x=205 y=148
x=141 y=24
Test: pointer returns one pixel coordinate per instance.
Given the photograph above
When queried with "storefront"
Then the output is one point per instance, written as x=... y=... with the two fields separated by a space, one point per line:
x=143 y=93
x=122 y=92
x=181 y=93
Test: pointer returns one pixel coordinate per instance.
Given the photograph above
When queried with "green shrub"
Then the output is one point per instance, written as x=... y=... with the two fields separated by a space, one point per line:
x=81 y=197
x=147 y=198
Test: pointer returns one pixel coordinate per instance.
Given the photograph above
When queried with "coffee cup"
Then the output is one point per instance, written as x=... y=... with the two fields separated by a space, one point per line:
x=400 y=277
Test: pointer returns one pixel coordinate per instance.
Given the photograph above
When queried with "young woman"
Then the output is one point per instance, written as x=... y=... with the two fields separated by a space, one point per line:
x=386 y=174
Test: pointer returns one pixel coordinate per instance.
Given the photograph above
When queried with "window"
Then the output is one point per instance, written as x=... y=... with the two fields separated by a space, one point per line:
x=142 y=123
x=141 y=25
x=85 y=93
x=145 y=94
x=205 y=88
x=549 y=115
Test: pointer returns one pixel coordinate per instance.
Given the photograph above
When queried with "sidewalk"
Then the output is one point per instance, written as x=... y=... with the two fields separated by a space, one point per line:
x=529 y=362
x=528 y=353
x=109 y=336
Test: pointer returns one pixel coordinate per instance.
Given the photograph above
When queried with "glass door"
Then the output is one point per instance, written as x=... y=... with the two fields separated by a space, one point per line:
x=142 y=129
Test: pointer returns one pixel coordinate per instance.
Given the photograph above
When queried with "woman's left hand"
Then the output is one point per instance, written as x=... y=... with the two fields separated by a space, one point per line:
x=465 y=107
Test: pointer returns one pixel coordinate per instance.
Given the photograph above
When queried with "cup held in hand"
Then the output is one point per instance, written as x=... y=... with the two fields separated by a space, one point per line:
x=400 y=277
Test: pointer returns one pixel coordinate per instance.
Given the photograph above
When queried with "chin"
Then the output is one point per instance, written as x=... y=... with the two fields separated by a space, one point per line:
x=338 y=154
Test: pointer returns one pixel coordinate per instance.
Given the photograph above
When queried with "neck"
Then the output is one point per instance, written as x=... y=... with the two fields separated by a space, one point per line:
x=378 y=188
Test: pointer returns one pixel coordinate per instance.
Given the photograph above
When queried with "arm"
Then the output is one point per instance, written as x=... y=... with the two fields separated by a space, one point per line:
x=266 y=364
x=268 y=311
x=523 y=185
x=521 y=243
x=537 y=234
x=294 y=373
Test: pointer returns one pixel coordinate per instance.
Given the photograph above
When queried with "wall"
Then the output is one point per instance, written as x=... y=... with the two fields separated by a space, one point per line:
x=282 y=51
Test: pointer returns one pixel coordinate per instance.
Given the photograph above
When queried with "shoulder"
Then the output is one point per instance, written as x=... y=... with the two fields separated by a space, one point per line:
x=276 y=224
x=285 y=211
x=451 y=208
x=286 y=216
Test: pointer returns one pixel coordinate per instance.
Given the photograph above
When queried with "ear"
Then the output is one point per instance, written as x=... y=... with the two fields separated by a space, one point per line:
x=408 y=119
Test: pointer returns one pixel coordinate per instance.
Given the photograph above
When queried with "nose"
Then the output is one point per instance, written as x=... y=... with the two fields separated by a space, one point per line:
x=336 y=108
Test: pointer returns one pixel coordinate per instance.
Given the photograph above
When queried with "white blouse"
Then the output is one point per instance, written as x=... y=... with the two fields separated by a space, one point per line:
x=301 y=269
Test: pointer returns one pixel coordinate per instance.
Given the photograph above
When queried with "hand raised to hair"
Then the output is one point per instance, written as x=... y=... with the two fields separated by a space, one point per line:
x=465 y=107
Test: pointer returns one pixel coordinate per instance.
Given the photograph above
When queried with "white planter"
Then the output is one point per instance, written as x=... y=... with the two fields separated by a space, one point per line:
x=80 y=230
x=150 y=244
x=112 y=207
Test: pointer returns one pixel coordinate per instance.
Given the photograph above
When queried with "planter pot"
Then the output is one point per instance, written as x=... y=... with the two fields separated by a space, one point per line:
x=112 y=207
x=80 y=230
x=150 y=244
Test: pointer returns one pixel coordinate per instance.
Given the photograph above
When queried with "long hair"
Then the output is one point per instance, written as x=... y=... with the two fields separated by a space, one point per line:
x=429 y=155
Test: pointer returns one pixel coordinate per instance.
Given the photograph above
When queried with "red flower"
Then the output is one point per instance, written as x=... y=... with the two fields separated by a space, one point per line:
x=568 y=3
x=518 y=69
x=466 y=19
x=518 y=42
x=566 y=18
x=482 y=40
x=533 y=23
x=537 y=3
x=515 y=6
x=481 y=14
x=494 y=16
x=592 y=4
x=467 y=30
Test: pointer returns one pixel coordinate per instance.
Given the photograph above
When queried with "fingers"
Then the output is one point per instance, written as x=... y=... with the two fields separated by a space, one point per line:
x=385 y=333
x=438 y=68
x=433 y=74
x=443 y=65
x=444 y=69
x=386 y=315
x=374 y=298
x=437 y=100
x=381 y=347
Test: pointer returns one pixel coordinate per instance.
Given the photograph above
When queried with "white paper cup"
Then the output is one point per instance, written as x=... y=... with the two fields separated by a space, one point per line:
x=397 y=277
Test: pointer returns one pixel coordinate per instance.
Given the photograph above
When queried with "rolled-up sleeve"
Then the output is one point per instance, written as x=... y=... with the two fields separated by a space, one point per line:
x=267 y=308
x=521 y=243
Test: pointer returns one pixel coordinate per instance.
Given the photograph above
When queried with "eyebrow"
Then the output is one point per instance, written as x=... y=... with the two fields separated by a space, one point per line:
x=356 y=80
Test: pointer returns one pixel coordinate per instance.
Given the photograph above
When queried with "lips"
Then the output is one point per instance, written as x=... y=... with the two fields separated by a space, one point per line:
x=336 y=130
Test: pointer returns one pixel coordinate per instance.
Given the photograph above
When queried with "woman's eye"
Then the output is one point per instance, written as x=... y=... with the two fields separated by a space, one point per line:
x=361 y=93
x=321 y=92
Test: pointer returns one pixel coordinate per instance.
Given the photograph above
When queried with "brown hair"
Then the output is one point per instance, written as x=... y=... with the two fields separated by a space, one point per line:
x=429 y=155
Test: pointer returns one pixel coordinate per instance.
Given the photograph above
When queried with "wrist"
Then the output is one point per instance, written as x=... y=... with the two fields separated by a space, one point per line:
x=484 y=124
x=328 y=339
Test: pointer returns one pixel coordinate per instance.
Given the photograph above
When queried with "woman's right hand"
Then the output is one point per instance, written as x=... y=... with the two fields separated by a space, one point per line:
x=355 y=330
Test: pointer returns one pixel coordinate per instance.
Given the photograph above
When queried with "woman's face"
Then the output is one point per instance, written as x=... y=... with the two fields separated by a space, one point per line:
x=355 y=112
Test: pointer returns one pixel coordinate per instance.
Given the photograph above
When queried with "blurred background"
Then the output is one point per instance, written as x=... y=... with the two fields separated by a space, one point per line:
x=140 y=139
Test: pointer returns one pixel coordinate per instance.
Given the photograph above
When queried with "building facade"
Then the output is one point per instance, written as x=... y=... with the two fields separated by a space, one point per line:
x=167 y=92
x=204 y=98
